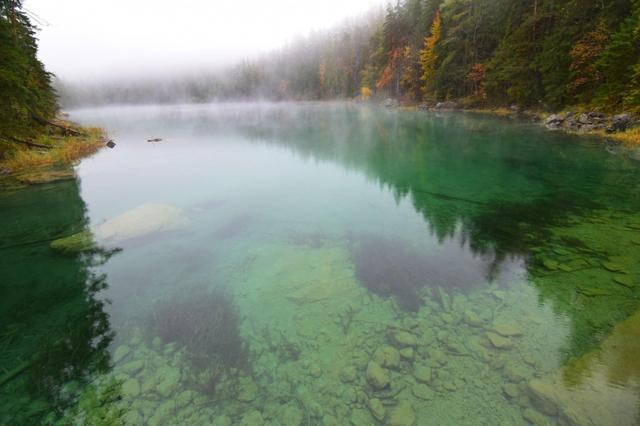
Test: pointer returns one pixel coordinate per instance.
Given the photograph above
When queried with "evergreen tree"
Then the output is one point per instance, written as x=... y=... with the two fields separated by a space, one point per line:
x=27 y=96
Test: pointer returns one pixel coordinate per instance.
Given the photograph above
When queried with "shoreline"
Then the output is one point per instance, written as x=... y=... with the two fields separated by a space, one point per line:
x=621 y=128
x=51 y=156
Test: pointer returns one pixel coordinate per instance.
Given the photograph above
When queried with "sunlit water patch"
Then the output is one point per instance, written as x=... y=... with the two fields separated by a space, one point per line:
x=323 y=264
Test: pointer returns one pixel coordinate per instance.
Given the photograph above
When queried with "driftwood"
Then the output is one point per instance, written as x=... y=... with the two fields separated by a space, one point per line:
x=66 y=129
x=155 y=140
x=30 y=144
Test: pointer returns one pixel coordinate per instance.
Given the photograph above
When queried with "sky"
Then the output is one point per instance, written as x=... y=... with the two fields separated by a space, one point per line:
x=102 y=40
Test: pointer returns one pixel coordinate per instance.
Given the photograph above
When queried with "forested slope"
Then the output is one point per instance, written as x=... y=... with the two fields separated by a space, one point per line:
x=538 y=54
x=26 y=94
x=535 y=53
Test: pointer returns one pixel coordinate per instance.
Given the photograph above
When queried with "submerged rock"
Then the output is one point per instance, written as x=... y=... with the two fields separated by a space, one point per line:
x=407 y=353
x=143 y=221
x=377 y=376
x=422 y=391
x=131 y=388
x=170 y=377
x=291 y=416
x=507 y=330
x=499 y=342
x=601 y=387
x=624 y=280
x=387 y=356
x=248 y=392
x=81 y=241
x=121 y=352
x=403 y=339
x=252 y=418
x=422 y=374
x=402 y=415
x=348 y=374
x=377 y=409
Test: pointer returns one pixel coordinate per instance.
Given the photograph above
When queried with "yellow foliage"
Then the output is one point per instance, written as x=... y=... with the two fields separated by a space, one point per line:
x=365 y=93
x=630 y=136
x=428 y=55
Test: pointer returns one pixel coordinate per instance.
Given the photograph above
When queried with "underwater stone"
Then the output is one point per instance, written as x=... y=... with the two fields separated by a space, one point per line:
x=377 y=409
x=360 y=417
x=624 y=280
x=471 y=318
x=406 y=353
x=131 y=388
x=422 y=373
x=348 y=374
x=291 y=416
x=535 y=418
x=169 y=382
x=507 y=330
x=377 y=376
x=248 y=392
x=133 y=367
x=75 y=243
x=132 y=417
x=253 y=418
x=222 y=421
x=121 y=352
x=542 y=396
x=422 y=391
x=499 y=342
x=184 y=398
x=315 y=371
x=329 y=420
x=140 y=222
x=438 y=356
x=387 y=356
x=511 y=390
x=550 y=264
x=403 y=339
x=612 y=266
x=402 y=415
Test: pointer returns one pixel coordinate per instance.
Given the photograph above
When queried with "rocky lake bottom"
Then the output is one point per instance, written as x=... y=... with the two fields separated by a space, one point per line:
x=324 y=265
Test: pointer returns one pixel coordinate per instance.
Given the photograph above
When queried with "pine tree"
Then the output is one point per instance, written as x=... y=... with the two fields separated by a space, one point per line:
x=27 y=95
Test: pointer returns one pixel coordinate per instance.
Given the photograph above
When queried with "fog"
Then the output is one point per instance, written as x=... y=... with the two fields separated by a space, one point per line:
x=88 y=41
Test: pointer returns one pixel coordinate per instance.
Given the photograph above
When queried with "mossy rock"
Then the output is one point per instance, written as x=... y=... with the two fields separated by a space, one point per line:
x=76 y=243
x=624 y=280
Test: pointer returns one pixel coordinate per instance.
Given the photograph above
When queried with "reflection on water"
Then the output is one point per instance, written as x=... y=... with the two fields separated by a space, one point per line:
x=324 y=264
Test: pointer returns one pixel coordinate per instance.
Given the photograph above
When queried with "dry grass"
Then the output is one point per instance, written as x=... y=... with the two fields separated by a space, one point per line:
x=65 y=151
x=630 y=136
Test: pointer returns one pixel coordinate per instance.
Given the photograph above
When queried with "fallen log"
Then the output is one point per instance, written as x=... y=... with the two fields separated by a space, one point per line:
x=66 y=129
x=29 y=143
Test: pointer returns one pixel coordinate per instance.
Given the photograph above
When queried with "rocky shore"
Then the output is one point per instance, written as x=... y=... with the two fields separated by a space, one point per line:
x=591 y=122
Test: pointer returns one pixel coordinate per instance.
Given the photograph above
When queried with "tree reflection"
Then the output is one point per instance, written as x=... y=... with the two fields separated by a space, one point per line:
x=55 y=331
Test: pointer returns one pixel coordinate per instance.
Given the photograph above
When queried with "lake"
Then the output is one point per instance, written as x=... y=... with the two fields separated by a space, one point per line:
x=324 y=264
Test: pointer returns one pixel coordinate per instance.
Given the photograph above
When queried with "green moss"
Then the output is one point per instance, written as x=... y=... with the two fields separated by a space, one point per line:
x=76 y=243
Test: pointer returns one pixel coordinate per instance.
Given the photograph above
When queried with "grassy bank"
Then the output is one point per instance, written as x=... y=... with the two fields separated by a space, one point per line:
x=49 y=156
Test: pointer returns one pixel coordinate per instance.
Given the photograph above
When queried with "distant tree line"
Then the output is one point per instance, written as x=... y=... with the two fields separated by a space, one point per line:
x=545 y=54
x=27 y=98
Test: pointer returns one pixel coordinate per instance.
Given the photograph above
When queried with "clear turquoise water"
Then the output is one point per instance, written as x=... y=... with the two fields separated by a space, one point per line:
x=325 y=264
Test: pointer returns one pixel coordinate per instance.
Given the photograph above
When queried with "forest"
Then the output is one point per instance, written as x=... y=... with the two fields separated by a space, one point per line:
x=28 y=99
x=539 y=54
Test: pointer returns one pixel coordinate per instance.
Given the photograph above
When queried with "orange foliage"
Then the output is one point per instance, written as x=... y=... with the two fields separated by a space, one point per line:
x=390 y=70
x=476 y=76
x=583 y=56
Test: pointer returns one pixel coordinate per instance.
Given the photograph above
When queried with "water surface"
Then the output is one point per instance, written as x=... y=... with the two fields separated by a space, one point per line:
x=324 y=264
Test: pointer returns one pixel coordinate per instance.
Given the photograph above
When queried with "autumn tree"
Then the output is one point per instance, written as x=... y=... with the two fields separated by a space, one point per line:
x=429 y=56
